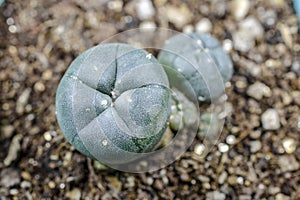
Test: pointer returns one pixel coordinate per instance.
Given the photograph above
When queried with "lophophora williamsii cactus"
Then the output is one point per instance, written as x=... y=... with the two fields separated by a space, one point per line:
x=201 y=60
x=114 y=100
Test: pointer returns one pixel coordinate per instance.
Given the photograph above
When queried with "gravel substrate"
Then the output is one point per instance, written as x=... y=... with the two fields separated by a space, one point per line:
x=259 y=154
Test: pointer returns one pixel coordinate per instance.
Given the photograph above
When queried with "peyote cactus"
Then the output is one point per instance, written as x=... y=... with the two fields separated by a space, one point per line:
x=114 y=101
x=187 y=54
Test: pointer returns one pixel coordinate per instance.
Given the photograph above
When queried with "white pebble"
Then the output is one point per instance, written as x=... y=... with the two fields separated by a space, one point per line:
x=144 y=9
x=289 y=145
x=270 y=120
x=243 y=41
x=259 y=90
x=255 y=146
x=204 y=26
x=230 y=139
x=223 y=147
x=240 y=180
x=199 y=149
x=179 y=16
x=240 y=8
x=150 y=180
x=227 y=45
x=253 y=26
x=115 y=5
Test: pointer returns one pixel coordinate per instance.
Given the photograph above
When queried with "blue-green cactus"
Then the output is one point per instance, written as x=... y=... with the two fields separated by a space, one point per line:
x=201 y=60
x=113 y=101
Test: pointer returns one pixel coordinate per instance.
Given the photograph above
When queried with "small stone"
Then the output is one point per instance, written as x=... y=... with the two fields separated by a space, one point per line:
x=74 y=194
x=12 y=29
x=62 y=186
x=150 y=180
x=144 y=9
x=47 y=136
x=115 y=183
x=255 y=134
x=270 y=120
x=39 y=87
x=242 y=41
x=204 y=26
x=274 y=190
x=13 y=192
x=252 y=176
x=286 y=34
x=259 y=191
x=223 y=147
x=185 y=177
x=25 y=184
x=288 y=163
x=281 y=196
x=9 y=177
x=7 y=131
x=163 y=172
x=130 y=181
x=13 y=150
x=67 y=159
x=26 y=176
x=255 y=146
x=254 y=70
x=230 y=139
x=47 y=75
x=240 y=8
x=158 y=184
x=115 y=5
x=215 y=195
x=232 y=180
x=165 y=180
x=219 y=8
x=289 y=145
x=259 y=90
x=202 y=178
x=51 y=184
x=227 y=45
x=179 y=16
x=240 y=180
x=222 y=177
x=23 y=100
x=206 y=185
x=253 y=27
x=199 y=149
x=296 y=67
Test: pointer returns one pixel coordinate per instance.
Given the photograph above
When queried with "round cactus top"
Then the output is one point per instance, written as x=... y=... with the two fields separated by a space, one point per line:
x=113 y=101
x=201 y=60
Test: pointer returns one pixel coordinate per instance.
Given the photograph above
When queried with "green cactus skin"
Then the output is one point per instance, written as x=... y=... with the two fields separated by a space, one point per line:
x=189 y=53
x=113 y=101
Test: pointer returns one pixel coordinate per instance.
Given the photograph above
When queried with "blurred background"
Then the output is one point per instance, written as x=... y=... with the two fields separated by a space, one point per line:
x=258 y=155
